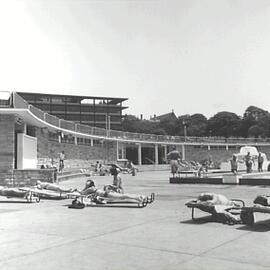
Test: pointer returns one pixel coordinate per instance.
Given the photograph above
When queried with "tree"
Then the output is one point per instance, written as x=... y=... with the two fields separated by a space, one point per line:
x=168 y=126
x=133 y=124
x=253 y=117
x=255 y=131
x=197 y=125
x=224 y=124
x=182 y=122
x=130 y=123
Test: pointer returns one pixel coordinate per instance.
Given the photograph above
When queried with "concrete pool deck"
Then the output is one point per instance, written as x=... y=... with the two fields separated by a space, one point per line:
x=49 y=235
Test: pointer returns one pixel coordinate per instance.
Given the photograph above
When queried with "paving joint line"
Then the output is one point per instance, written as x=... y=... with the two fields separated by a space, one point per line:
x=76 y=240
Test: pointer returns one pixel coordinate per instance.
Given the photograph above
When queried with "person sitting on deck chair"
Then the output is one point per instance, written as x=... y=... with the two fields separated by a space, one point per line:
x=221 y=205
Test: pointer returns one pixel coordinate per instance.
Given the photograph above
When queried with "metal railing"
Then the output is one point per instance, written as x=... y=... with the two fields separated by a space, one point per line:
x=19 y=102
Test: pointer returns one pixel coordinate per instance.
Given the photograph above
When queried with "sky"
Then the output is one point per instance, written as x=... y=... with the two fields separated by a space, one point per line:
x=190 y=56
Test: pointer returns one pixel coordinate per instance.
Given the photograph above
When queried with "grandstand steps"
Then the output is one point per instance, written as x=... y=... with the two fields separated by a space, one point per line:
x=71 y=174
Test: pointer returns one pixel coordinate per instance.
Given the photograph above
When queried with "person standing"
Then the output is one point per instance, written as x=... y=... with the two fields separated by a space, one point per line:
x=248 y=160
x=131 y=167
x=61 y=161
x=260 y=162
x=173 y=157
x=98 y=166
x=234 y=165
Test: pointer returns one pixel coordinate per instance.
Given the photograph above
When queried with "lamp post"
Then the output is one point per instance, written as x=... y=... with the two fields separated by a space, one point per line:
x=185 y=130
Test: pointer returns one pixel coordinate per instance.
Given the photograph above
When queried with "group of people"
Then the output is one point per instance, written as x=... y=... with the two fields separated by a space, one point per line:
x=175 y=159
x=249 y=162
x=112 y=191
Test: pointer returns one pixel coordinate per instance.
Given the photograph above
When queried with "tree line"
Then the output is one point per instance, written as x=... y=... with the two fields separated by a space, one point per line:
x=254 y=123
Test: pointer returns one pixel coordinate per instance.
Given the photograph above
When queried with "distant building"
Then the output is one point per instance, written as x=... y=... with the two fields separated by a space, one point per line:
x=88 y=110
x=164 y=117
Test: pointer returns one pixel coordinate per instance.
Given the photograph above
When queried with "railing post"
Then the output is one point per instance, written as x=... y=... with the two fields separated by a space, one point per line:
x=165 y=153
x=75 y=137
x=183 y=152
x=139 y=154
x=156 y=154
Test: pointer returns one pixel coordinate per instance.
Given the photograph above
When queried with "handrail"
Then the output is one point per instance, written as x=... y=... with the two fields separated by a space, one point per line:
x=20 y=103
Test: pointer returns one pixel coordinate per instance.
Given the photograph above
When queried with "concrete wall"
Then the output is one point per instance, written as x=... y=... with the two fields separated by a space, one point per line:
x=47 y=149
x=83 y=155
x=217 y=154
x=160 y=167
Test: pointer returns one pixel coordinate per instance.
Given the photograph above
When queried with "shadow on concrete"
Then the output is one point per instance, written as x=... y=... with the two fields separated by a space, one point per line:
x=109 y=206
x=17 y=201
x=199 y=221
x=260 y=226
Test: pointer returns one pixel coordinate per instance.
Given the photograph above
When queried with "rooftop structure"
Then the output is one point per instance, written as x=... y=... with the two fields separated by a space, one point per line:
x=164 y=117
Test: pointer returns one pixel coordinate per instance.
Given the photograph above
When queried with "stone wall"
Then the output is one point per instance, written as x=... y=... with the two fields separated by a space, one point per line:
x=7 y=141
x=7 y=144
x=26 y=178
x=30 y=177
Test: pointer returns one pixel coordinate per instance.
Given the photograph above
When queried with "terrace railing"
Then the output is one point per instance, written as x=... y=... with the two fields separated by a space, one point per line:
x=51 y=119
x=67 y=124
x=37 y=112
x=19 y=102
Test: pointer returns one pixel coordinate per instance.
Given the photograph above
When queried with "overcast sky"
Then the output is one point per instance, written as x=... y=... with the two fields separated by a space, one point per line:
x=193 y=56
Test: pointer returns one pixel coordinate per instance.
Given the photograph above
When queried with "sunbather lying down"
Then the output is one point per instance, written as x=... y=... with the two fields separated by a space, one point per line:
x=262 y=200
x=17 y=192
x=12 y=192
x=106 y=194
x=217 y=205
x=52 y=187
